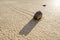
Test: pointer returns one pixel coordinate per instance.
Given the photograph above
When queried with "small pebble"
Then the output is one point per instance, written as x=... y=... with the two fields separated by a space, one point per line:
x=44 y=5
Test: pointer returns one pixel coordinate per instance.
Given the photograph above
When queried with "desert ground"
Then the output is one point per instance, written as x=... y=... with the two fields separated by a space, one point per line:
x=17 y=23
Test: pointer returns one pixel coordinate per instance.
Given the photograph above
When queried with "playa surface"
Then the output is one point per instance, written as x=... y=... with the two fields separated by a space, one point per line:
x=17 y=23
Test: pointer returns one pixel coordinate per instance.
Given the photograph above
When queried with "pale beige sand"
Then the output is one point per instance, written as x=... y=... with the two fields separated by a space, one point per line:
x=16 y=21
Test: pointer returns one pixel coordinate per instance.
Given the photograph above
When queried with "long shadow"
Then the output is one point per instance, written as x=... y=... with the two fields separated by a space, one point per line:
x=28 y=27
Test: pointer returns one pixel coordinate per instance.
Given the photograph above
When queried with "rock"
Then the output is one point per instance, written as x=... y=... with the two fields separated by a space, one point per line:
x=38 y=15
x=44 y=5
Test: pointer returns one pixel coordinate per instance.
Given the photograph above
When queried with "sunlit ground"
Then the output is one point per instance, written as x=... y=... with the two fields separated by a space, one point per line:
x=56 y=3
x=17 y=14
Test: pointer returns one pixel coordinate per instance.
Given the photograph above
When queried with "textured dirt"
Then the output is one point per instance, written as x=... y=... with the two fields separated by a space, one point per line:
x=17 y=23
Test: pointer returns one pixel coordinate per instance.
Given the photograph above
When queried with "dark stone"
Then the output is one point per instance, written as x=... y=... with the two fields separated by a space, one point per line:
x=38 y=15
x=44 y=5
